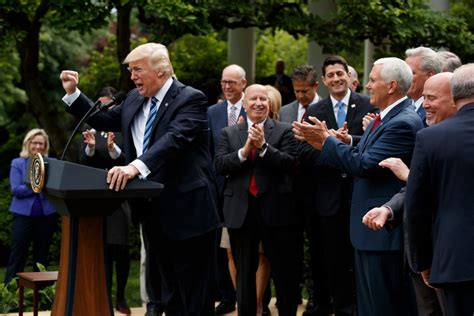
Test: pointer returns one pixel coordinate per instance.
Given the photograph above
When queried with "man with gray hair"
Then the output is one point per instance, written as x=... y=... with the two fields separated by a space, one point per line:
x=166 y=139
x=424 y=62
x=380 y=285
x=450 y=60
x=439 y=201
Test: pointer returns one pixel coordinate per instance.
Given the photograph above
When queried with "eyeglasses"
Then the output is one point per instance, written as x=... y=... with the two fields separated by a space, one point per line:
x=229 y=82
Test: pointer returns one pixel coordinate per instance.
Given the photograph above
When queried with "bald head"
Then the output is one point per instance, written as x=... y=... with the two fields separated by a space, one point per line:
x=438 y=103
x=233 y=83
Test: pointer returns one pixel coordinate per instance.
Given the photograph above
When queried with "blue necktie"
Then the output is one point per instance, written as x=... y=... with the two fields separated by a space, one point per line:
x=341 y=114
x=149 y=124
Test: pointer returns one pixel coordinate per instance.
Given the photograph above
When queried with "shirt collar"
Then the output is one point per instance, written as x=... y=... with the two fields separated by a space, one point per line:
x=344 y=100
x=250 y=123
x=315 y=100
x=238 y=104
x=391 y=106
x=160 y=95
x=418 y=103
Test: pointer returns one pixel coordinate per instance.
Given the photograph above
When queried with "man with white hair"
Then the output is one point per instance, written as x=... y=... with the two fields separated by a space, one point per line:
x=166 y=139
x=424 y=62
x=380 y=285
x=439 y=201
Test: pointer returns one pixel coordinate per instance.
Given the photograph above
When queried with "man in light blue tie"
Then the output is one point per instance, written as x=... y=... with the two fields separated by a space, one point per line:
x=328 y=231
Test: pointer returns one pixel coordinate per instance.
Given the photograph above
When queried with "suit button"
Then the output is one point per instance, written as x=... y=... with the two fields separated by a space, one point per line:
x=344 y=175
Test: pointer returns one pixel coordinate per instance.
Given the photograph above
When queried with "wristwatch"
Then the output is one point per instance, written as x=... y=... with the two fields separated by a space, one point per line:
x=264 y=146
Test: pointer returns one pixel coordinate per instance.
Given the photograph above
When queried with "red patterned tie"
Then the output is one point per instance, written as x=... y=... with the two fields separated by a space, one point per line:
x=376 y=123
x=253 y=189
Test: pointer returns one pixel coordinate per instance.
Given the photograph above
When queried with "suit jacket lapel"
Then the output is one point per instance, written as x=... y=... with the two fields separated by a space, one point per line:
x=393 y=112
x=268 y=128
x=329 y=111
x=166 y=102
x=351 y=109
x=243 y=131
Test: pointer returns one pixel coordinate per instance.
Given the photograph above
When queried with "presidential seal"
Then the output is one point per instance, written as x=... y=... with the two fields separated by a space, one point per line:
x=37 y=173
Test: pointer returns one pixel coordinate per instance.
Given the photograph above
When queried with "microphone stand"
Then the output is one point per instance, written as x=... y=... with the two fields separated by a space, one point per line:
x=85 y=117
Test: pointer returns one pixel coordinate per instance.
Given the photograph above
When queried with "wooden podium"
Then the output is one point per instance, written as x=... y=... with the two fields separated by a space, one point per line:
x=81 y=195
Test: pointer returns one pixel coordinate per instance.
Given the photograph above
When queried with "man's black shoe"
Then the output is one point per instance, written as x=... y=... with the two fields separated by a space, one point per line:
x=225 y=308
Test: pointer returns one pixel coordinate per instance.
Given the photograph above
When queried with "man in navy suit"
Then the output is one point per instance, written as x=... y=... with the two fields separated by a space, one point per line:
x=166 y=139
x=329 y=217
x=379 y=254
x=220 y=115
x=439 y=201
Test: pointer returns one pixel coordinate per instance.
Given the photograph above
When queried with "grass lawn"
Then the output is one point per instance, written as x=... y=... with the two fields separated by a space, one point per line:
x=133 y=285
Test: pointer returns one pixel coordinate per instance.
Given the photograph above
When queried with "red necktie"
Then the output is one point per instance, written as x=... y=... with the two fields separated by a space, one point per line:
x=304 y=114
x=376 y=123
x=253 y=189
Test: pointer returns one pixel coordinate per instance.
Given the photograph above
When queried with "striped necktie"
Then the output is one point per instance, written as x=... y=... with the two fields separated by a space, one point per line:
x=232 y=119
x=149 y=124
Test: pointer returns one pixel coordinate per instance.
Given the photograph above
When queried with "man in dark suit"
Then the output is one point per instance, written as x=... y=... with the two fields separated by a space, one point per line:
x=257 y=157
x=424 y=63
x=166 y=139
x=439 y=105
x=439 y=201
x=379 y=255
x=221 y=115
x=329 y=219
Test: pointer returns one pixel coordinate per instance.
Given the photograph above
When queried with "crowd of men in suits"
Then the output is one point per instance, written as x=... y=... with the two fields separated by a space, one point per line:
x=335 y=168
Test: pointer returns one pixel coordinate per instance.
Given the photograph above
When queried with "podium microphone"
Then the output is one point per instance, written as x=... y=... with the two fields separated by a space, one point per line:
x=116 y=99
x=96 y=108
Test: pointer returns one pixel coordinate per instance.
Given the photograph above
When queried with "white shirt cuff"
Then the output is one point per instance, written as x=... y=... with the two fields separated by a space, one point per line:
x=115 y=152
x=70 y=98
x=241 y=158
x=89 y=151
x=142 y=168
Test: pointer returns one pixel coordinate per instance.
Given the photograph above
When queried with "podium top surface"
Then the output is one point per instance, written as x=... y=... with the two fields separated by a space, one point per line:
x=69 y=180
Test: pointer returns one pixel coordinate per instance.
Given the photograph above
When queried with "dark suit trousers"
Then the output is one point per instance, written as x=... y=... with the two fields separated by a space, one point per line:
x=25 y=230
x=334 y=262
x=186 y=268
x=225 y=288
x=381 y=284
x=459 y=298
x=281 y=248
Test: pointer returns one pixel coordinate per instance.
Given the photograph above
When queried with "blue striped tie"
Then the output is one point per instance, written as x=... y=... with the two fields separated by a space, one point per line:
x=149 y=124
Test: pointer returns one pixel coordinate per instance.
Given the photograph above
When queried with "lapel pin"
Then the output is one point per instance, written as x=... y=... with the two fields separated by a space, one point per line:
x=353 y=105
x=166 y=104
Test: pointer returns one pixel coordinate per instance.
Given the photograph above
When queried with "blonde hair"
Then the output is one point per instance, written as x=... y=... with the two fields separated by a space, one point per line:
x=156 y=54
x=275 y=101
x=25 y=153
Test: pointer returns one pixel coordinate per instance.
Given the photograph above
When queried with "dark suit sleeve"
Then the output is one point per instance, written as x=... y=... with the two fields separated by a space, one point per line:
x=420 y=206
x=188 y=123
x=394 y=141
x=397 y=204
x=104 y=121
x=226 y=160
x=282 y=158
